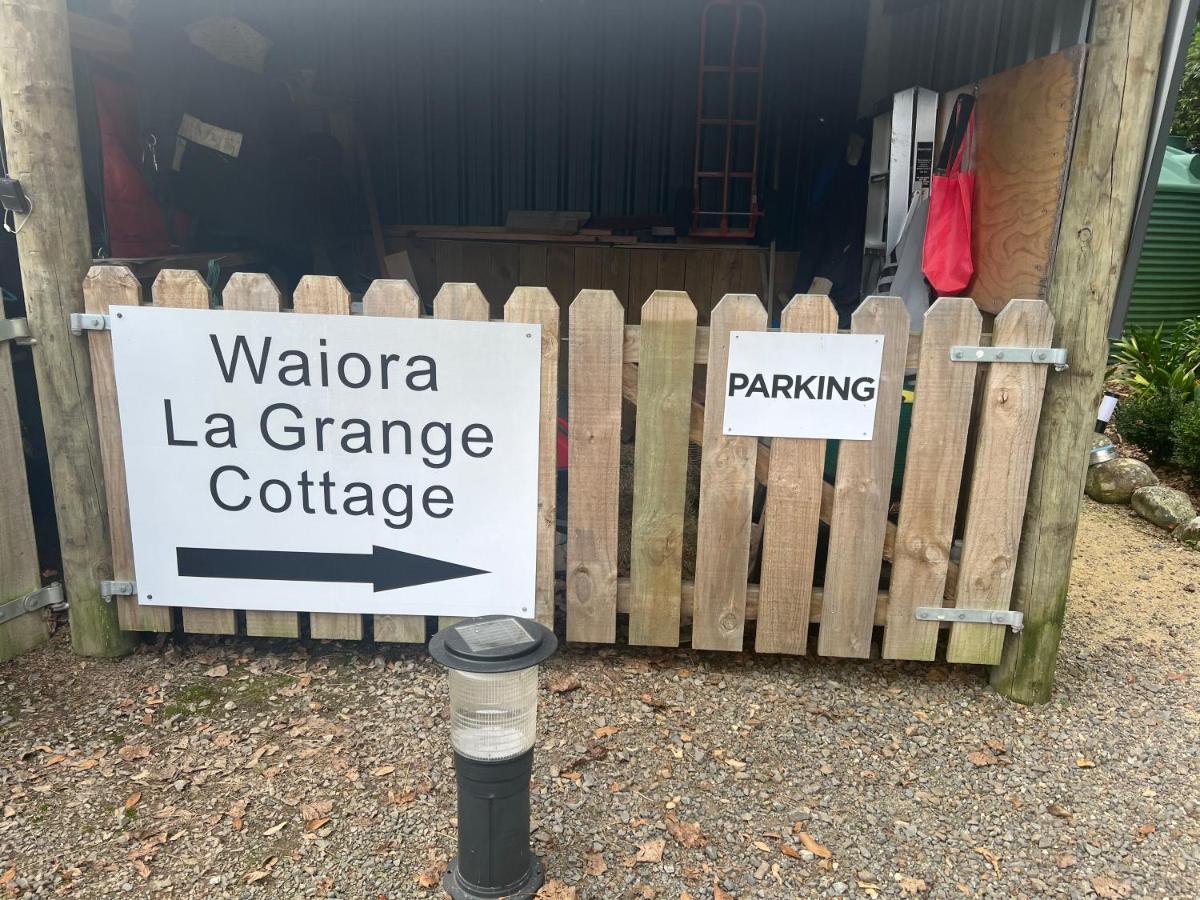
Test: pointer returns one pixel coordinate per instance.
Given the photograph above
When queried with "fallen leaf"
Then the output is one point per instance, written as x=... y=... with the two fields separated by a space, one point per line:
x=310 y=811
x=1060 y=812
x=218 y=671
x=720 y=893
x=812 y=846
x=910 y=885
x=685 y=896
x=686 y=833
x=314 y=824
x=564 y=684
x=383 y=770
x=55 y=760
x=431 y=875
x=594 y=864
x=990 y=857
x=133 y=800
x=130 y=752
x=8 y=876
x=142 y=868
x=653 y=702
x=1084 y=763
x=1065 y=860
x=761 y=845
x=651 y=851
x=982 y=758
x=1145 y=830
x=789 y=850
x=606 y=731
x=995 y=745
x=1110 y=888
x=556 y=889
x=274 y=829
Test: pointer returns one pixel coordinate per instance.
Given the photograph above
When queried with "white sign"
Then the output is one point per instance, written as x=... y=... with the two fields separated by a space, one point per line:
x=785 y=384
x=282 y=461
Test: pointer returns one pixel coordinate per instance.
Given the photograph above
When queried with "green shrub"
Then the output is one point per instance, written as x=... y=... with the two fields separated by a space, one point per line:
x=1149 y=422
x=1186 y=435
x=1152 y=362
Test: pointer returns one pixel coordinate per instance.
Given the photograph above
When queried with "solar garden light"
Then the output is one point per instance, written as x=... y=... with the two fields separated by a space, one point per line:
x=493 y=663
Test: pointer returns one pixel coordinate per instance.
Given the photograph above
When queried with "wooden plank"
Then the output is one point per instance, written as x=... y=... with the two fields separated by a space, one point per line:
x=448 y=257
x=398 y=299
x=937 y=447
x=589 y=262
x=536 y=306
x=1004 y=443
x=257 y=292
x=687 y=593
x=506 y=268
x=532 y=269
x=862 y=493
x=660 y=467
x=326 y=295
x=614 y=275
x=464 y=302
x=726 y=271
x=792 y=514
x=1102 y=197
x=185 y=289
x=594 y=461
x=643 y=279
x=672 y=268
x=19 y=571
x=1028 y=115
x=560 y=278
x=698 y=280
x=107 y=286
x=726 y=492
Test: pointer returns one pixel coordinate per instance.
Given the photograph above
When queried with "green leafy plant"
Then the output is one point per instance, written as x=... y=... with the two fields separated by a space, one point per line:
x=1152 y=362
x=1187 y=107
x=1186 y=437
x=1148 y=420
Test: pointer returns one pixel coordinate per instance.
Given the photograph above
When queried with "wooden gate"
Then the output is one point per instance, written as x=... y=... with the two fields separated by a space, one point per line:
x=20 y=575
x=969 y=452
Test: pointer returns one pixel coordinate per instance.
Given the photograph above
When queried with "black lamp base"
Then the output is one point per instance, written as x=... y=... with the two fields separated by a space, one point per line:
x=458 y=889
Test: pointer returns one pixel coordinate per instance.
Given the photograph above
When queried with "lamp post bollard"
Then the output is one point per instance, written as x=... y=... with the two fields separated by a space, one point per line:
x=493 y=665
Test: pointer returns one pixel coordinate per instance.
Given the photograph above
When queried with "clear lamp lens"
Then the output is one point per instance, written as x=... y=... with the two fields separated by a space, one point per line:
x=493 y=716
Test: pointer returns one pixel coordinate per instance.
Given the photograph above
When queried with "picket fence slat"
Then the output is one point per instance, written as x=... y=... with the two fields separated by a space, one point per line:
x=726 y=491
x=254 y=292
x=792 y=513
x=862 y=494
x=397 y=299
x=594 y=457
x=464 y=302
x=1008 y=421
x=326 y=295
x=185 y=289
x=937 y=446
x=536 y=306
x=660 y=467
x=107 y=286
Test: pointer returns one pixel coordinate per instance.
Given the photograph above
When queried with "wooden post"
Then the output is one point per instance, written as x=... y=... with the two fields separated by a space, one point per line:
x=37 y=99
x=1106 y=165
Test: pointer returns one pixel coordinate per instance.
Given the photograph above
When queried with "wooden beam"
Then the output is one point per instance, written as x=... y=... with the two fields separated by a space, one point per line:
x=1106 y=168
x=37 y=97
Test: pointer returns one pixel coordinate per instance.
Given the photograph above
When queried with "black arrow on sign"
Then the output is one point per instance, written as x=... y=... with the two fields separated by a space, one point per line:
x=384 y=568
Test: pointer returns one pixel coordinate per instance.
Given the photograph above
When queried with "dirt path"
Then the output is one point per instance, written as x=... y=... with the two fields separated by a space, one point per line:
x=254 y=769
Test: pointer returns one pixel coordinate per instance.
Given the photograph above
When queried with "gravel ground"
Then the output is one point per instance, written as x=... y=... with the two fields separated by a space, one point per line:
x=254 y=769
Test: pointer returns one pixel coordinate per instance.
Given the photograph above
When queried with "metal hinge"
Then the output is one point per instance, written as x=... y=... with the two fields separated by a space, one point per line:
x=13 y=330
x=1052 y=356
x=110 y=589
x=50 y=595
x=1010 y=617
x=81 y=322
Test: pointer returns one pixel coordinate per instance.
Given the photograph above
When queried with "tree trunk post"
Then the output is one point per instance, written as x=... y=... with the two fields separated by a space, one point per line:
x=1102 y=188
x=37 y=99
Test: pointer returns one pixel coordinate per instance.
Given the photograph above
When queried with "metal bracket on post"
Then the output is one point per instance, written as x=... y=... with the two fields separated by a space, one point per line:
x=110 y=589
x=1051 y=356
x=1010 y=617
x=81 y=322
x=14 y=330
x=50 y=595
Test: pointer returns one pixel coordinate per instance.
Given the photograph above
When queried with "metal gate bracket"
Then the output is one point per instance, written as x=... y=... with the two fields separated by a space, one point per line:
x=1051 y=356
x=49 y=595
x=1013 y=619
x=81 y=322
x=110 y=589
x=13 y=329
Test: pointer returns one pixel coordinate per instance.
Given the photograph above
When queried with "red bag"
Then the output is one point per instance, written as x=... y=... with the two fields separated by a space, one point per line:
x=946 y=259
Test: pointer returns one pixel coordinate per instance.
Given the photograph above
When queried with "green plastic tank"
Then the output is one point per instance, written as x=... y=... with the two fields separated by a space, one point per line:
x=1166 y=287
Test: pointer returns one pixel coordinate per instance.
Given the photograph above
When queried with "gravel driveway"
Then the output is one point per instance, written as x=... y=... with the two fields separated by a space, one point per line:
x=255 y=769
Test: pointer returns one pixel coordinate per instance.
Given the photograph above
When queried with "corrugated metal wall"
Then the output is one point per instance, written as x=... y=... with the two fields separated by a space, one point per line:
x=944 y=44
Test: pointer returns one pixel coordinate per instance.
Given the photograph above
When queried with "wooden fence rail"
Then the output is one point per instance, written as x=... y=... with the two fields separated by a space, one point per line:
x=961 y=439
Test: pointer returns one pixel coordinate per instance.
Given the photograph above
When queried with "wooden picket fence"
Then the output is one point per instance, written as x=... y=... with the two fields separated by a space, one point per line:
x=654 y=366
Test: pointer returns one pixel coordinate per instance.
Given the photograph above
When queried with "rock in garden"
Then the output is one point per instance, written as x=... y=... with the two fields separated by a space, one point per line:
x=1189 y=532
x=1164 y=506
x=1116 y=480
